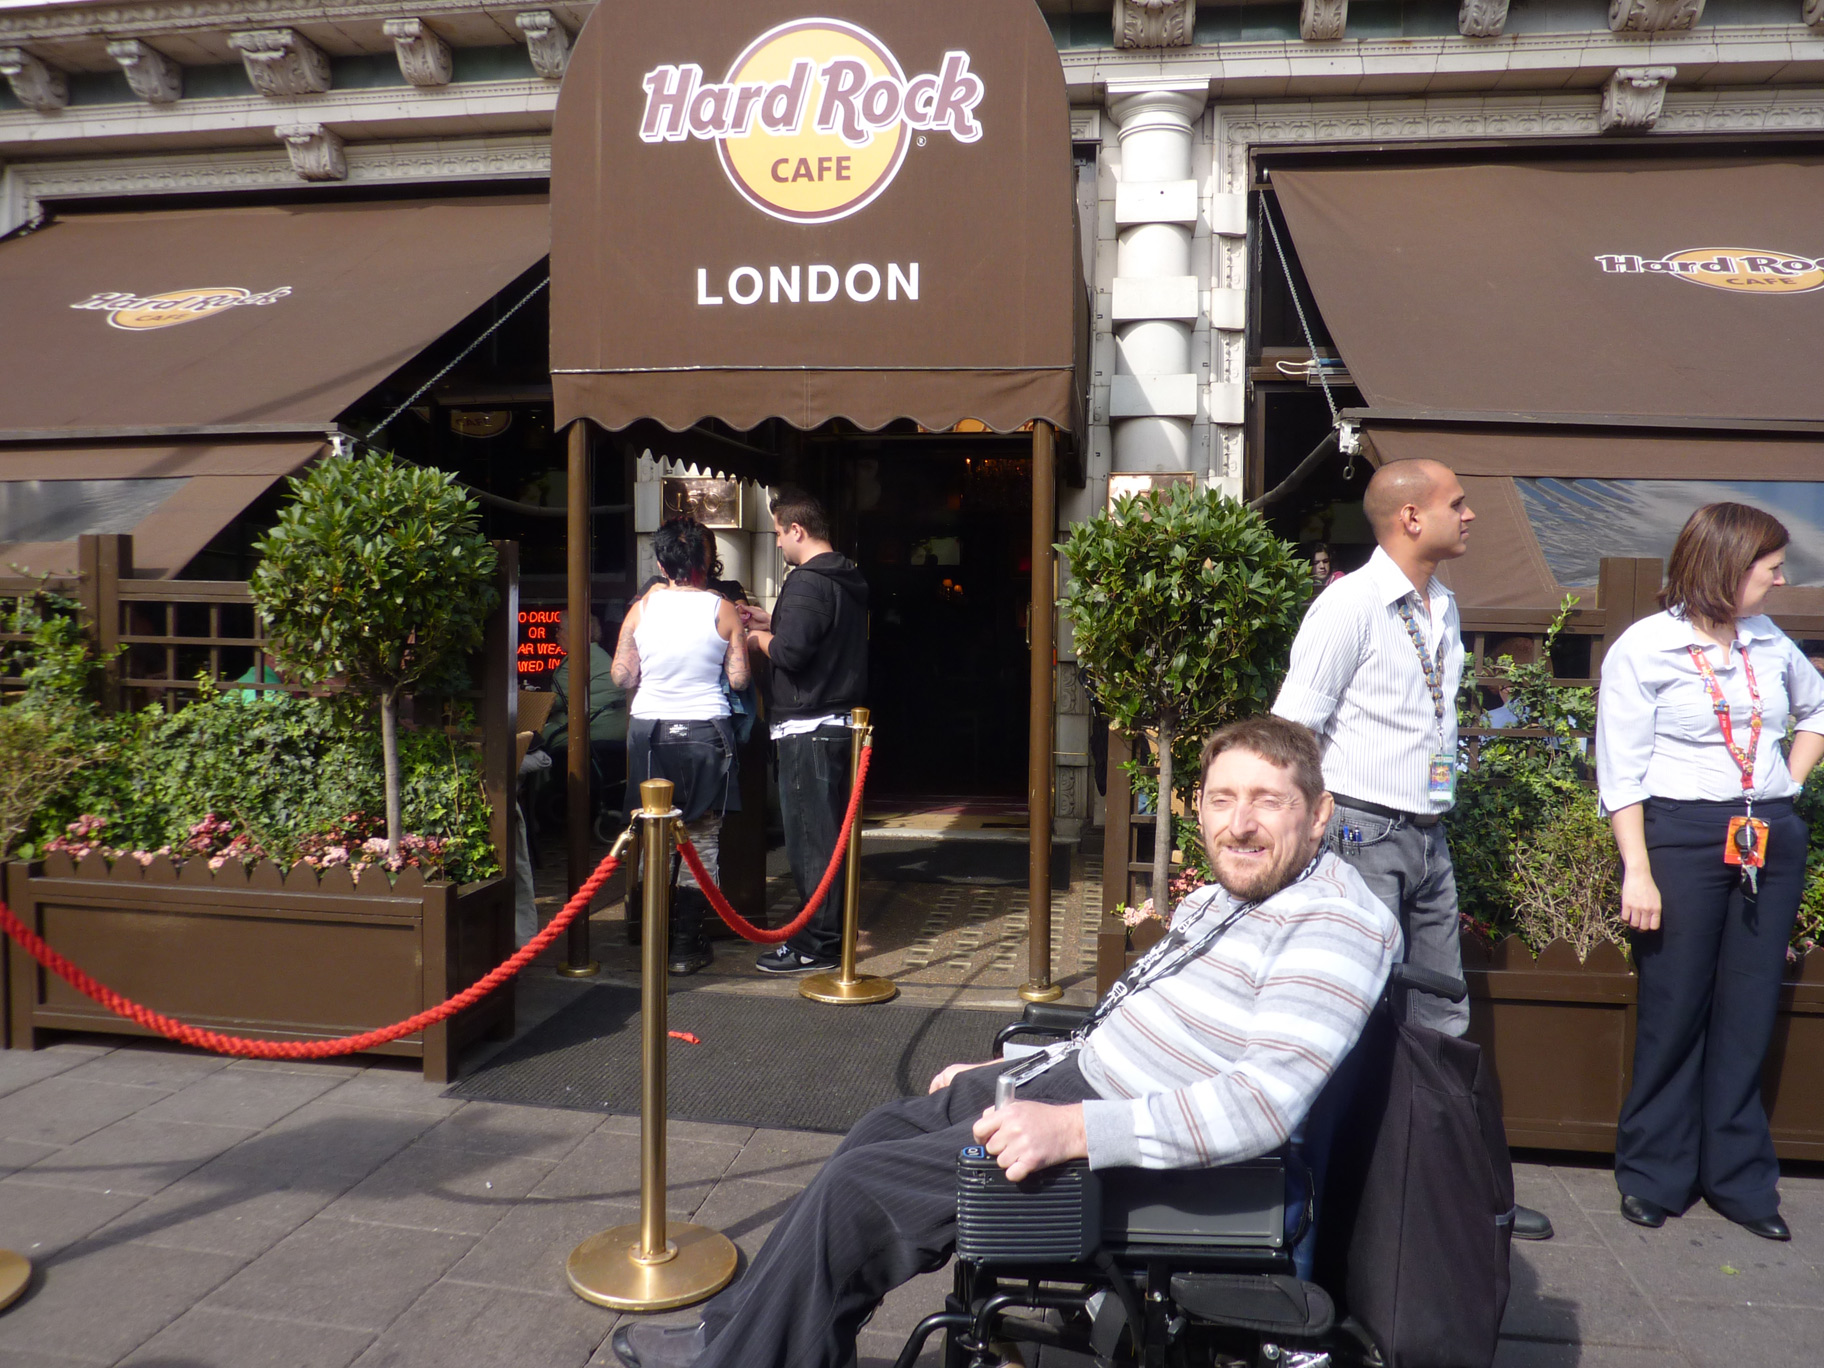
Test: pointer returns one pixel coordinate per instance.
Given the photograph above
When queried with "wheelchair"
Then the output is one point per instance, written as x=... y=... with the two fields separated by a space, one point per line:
x=1177 y=1269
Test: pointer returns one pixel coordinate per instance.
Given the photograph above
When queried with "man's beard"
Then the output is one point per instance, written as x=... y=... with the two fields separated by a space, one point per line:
x=1260 y=883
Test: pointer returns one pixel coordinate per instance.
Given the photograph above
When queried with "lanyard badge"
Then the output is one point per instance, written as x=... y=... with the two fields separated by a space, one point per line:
x=1746 y=843
x=1441 y=768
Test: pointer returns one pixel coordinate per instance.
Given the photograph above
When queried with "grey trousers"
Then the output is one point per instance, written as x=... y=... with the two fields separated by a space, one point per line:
x=1408 y=868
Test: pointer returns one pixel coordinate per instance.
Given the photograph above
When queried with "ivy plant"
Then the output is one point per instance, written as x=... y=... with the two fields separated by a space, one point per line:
x=1183 y=606
x=376 y=573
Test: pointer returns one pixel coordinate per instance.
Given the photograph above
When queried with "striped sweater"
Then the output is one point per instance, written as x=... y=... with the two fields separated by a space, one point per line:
x=1221 y=1060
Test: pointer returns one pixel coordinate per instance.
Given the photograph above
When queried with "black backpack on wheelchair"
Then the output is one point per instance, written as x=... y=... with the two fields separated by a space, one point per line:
x=1398 y=1199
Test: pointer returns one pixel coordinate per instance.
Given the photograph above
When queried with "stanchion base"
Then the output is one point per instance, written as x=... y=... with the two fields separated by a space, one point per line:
x=1040 y=992
x=602 y=1269
x=589 y=970
x=15 y=1274
x=861 y=988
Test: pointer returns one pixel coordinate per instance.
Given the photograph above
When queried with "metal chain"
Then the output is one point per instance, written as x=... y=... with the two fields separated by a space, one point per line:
x=1266 y=213
x=461 y=356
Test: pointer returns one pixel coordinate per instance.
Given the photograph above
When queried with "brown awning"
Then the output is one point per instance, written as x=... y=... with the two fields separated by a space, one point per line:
x=1618 y=455
x=267 y=318
x=866 y=216
x=173 y=499
x=1657 y=290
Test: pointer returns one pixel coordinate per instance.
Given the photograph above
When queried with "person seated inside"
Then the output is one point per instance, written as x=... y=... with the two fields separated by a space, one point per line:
x=1210 y=1050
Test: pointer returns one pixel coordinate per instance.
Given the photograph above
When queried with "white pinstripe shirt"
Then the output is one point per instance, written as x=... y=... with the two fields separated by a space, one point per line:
x=1356 y=681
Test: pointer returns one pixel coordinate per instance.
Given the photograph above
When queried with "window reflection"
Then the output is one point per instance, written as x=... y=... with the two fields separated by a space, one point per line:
x=61 y=510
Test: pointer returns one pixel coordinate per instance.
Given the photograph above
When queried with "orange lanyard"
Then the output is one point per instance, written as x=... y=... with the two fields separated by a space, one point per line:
x=1744 y=760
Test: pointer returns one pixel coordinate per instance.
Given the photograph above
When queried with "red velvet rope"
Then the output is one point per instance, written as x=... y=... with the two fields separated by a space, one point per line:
x=34 y=946
x=741 y=925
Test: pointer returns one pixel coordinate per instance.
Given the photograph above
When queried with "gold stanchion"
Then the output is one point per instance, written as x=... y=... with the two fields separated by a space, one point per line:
x=15 y=1274
x=848 y=986
x=644 y=1267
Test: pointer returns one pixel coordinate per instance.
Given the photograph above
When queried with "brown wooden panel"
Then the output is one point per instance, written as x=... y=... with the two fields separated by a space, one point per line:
x=1562 y=1069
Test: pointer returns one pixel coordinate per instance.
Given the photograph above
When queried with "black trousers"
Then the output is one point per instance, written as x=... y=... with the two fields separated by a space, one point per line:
x=813 y=800
x=1693 y=1124
x=880 y=1212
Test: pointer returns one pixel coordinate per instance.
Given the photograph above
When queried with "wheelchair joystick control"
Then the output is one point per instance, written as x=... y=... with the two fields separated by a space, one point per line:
x=1004 y=1089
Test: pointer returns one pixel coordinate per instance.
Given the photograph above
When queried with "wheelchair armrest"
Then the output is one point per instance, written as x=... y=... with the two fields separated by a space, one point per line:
x=1053 y=1019
x=1427 y=981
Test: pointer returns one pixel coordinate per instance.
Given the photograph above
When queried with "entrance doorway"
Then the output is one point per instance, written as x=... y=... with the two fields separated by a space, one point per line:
x=940 y=526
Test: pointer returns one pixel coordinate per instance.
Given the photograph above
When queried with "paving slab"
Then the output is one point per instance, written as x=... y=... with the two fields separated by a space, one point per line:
x=61 y=1110
x=21 y=1068
x=320 y=1135
x=38 y=1221
x=1575 y=1293
x=459 y=1191
x=745 y=1211
x=605 y=1167
x=527 y=1249
x=206 y=1338
x=389 y=1088
x=230 y=1097
x=344 y=1273
x=227 y=1209
x=148 y=1065
x=1738 y=1336
x=491 y=1327
x=137 y=1154
x=787 y=1157
x=1713 y=1262
x=528 y=1132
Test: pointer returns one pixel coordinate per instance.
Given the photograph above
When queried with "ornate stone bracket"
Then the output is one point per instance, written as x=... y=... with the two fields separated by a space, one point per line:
x=1154 y=23
x=1632 y=99
x=154 y=77
x=1322 y=21
x=547 y=40
x=282 y=61
x=1653 y=16
x=424 y=58
x=316 y=152
x=1481 y=18
x=35 y=85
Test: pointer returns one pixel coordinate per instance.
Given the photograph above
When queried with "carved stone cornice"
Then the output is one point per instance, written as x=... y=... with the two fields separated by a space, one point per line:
x=1633 y=98
x=547 y=40
x=35 y=85
x=1481 y=18
x=154 y=77
x=1322 y=21
x=424 y=58
x=315 y=151
x=189 y=16
x=1154 y=23
x=1653 y=16
x=282 y=61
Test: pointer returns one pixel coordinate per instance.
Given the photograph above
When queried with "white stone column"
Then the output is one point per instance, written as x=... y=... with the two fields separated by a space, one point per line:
x=1155 y=302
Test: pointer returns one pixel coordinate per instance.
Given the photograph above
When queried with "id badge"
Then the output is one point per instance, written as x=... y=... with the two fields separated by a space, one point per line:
x=1734 y=854
x=1441 y=778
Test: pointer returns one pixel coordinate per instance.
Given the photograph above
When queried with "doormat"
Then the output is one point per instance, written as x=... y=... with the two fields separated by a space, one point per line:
x=780 y=1063
x=990 y=864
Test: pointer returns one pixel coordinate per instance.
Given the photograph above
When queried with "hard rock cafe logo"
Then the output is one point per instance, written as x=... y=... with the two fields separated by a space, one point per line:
x=140 y=313
x=1746 y=270
x=814 y=119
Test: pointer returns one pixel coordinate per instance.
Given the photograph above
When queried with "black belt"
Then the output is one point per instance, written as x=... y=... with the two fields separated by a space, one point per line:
x=1417 y=819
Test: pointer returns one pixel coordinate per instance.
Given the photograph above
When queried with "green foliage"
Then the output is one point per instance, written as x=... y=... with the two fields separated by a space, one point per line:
x=378 y=573
x=47 y=731
x=1183 y=605
x=1566 y=880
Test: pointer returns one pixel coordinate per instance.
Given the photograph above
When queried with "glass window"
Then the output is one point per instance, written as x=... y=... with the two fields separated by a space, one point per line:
x=61 y=510
x=1578 y=522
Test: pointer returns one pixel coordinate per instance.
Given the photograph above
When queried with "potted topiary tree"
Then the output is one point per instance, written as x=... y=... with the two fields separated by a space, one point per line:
x=378 y=573
x=1183 y=605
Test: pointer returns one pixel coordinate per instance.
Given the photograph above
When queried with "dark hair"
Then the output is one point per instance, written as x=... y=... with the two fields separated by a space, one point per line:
x=1717 y=546
x=792 y=505
x=1289 y=745
x=678 y=546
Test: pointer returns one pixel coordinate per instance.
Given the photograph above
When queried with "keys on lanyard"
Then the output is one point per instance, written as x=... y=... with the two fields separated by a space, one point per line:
x=1746 y=843
x=1441 y=767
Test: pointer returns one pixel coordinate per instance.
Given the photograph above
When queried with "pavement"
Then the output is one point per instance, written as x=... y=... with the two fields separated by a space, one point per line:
x=186 y=1211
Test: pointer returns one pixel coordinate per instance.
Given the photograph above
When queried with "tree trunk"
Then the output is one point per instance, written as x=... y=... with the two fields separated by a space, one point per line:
x=389 y=747
x=1164 y=833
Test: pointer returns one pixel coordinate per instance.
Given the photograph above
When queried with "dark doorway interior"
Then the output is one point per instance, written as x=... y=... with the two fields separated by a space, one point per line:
x=940 y=527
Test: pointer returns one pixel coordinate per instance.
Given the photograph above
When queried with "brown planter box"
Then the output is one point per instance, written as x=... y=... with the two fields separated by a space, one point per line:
x=1561 y=1036
x=270 y=954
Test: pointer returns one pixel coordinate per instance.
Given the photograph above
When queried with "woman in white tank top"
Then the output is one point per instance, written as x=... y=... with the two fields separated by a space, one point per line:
x=679 y=644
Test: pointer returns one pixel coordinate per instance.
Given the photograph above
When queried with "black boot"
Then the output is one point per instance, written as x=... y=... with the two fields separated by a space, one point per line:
x=689 y=950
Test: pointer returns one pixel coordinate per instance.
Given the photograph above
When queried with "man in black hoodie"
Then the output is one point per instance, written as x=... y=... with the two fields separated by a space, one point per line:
x=816 y=639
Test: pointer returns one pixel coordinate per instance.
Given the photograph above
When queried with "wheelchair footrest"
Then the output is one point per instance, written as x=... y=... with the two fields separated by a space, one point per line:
x=1273 y=1303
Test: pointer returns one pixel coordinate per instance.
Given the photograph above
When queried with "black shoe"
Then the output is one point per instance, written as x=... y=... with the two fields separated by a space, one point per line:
x=782 y=959
x=642 y=1344
x=1531 y=1225
x=1768 y=1228
x=1642 y=1212
x=688 y=949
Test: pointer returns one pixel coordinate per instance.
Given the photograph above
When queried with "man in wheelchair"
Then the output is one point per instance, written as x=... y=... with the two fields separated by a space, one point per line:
x=1209 y=1051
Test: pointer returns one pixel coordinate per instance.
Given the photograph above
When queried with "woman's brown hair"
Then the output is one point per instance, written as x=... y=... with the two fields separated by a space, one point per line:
x=1714 y=551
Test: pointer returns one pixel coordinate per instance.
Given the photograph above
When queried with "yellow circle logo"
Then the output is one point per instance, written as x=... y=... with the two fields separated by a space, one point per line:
x=142 y=313
x=1747 y=270
x=814 y=118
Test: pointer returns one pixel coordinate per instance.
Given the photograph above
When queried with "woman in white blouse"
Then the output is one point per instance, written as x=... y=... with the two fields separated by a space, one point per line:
x=1694 y=707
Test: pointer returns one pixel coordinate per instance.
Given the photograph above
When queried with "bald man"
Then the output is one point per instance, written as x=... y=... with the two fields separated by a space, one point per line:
x=1374 y=673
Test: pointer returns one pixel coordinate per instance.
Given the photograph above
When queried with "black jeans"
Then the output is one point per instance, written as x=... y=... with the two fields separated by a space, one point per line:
x=881 y=1211
x=813 y=798
x=1693 y=1123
